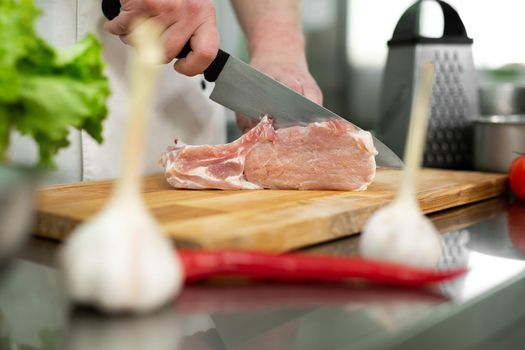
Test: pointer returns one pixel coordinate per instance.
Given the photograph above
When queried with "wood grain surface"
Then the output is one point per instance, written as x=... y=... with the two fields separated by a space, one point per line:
x=275 y=220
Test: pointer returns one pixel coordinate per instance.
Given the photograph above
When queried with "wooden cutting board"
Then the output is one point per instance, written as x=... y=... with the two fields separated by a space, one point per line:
x=274 y=220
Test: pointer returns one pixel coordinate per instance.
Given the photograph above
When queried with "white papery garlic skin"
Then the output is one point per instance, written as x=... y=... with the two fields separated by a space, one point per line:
x=120 y=262
x=400 y=233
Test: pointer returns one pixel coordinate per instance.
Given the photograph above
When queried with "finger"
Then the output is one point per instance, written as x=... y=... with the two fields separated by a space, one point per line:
x=125 y=39
x=174 y=38
x=312 y=92
x=306 y=87
x=204 y=48
x=292 y=83
x=244 y=123
x=122 y=24
x=128 y=39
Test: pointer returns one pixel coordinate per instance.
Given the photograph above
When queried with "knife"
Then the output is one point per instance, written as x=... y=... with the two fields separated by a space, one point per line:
x=244 y=89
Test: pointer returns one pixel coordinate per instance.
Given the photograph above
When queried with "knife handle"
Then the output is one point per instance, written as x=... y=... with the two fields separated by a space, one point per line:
x=111 y=9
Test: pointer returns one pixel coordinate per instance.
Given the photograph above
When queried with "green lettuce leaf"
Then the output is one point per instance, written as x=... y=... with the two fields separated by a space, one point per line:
x=44 y=92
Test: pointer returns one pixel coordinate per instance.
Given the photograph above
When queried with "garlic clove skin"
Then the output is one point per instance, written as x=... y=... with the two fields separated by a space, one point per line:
x=400 y=233
x=120 y=262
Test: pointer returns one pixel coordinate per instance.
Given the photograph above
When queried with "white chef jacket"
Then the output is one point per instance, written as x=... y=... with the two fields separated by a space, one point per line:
x=181 y=110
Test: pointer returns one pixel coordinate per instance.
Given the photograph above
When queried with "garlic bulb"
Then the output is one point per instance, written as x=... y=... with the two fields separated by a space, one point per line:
x=400 y=233
x=120 y=262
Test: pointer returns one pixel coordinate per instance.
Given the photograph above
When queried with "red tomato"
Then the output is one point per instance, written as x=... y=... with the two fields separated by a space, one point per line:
x=517 y=176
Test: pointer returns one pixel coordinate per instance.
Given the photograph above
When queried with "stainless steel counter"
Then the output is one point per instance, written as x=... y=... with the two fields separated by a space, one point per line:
x=483 y=308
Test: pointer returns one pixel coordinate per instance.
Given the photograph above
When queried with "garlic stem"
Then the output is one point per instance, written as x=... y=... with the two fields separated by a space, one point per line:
x=143 y=72
x=399 y=232
x=416 y=135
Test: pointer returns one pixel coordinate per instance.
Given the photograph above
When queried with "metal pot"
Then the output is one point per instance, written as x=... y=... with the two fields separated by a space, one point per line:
x=500 y=130
x=497 y=141
x=502 y=99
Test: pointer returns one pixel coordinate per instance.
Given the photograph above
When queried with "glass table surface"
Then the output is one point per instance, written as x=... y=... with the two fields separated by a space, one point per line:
x=488 y=237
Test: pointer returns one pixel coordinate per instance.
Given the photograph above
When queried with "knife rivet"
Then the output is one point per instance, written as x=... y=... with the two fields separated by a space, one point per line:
x=203 y=84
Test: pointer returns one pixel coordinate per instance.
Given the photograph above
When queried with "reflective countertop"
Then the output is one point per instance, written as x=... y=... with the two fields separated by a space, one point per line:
x=488 y=237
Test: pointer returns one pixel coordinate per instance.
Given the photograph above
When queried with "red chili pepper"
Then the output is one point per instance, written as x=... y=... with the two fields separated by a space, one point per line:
x=295 y=267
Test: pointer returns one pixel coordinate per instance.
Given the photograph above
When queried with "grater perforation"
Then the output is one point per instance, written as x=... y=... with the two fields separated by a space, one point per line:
x=454 y=98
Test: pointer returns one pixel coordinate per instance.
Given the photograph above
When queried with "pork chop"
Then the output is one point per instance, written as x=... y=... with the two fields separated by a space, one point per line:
x=218 y=166
x=331 y=155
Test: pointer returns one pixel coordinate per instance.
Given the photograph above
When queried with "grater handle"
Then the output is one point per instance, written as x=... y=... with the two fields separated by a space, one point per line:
x=407 y=29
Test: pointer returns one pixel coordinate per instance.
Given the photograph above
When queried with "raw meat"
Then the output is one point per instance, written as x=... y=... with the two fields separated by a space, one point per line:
x=220 y=167
x=332 y=155
x=329 y=155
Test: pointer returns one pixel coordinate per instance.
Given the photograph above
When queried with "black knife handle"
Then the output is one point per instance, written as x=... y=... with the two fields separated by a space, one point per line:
x=111 y=9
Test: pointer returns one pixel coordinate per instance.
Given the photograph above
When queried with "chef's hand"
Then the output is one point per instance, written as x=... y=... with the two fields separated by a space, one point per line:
x=276 y=45
x=181 y=20
x=289 y=72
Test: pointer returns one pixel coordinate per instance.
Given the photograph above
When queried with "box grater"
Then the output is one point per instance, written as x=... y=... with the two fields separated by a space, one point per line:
x=454 y=98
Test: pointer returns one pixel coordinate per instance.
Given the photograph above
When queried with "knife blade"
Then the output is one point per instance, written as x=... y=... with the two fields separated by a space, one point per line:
x=244 y=89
